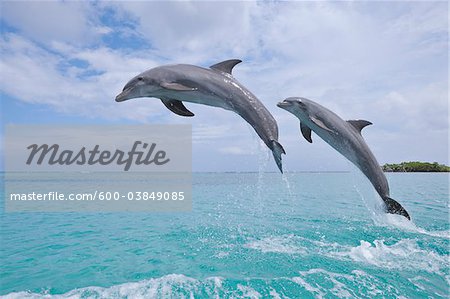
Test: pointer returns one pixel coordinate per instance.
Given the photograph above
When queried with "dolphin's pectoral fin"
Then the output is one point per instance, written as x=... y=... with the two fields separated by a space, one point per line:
x=393 y=207
x=225 y=66
x=277 y=150
x=359 y=124
x=177 y=107
x=320 y=124
x=177 y=86
x=306 y=132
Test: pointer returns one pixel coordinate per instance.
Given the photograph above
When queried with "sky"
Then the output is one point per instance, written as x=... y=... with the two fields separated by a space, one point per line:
x=386 y=62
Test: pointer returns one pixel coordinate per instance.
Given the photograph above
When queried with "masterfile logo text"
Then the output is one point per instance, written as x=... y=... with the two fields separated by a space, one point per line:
x=98 y=168
x=99 y=148
x=140 y=153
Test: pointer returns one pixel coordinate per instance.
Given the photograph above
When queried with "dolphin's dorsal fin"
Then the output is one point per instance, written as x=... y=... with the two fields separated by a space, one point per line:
x=225 y=66
x=359 y=124
x=176 y=107
x=306 y=132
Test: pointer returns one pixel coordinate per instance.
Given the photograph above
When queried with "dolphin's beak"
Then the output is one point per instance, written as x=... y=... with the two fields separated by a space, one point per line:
x=123 y=96
x=284 y=104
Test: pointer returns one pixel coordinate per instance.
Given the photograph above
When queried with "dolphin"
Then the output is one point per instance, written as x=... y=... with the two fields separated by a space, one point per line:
x=346 y=138
x=213 y=86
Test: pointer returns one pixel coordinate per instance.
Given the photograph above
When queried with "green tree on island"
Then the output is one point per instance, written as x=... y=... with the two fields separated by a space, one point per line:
x=416 y=167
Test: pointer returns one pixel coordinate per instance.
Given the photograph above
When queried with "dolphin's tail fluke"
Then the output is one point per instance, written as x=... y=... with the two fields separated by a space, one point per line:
x=277 y=150
x=393 y=207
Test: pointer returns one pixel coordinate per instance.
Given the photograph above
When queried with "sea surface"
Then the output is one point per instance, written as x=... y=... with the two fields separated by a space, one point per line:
x=249 y=235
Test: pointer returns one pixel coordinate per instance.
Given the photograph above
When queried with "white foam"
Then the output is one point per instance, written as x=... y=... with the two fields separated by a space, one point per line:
x=404 y=224
x=309 y=287
x=405 y=254
x=317 y=281
x=375 y=206
x=365 y=280
x=418 y=282
x=221 y=254
x=286 y=182
x=169 y=286
x=248 y=292
x=277 y=244
x=274 y=294
x=24 y=295
x=339 y=289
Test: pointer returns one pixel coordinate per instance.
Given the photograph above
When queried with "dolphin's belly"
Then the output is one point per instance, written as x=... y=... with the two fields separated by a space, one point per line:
x=212 y=89
x=218 y=90
x=355 y=149
x=199 y=97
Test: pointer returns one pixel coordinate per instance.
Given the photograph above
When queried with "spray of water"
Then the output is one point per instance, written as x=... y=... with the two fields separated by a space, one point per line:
x=400 y=222
x=286 y=182
x=370 y=198
x=263 y=158
x=375 y=206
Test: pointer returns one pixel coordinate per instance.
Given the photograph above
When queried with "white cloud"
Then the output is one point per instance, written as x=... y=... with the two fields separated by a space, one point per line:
x=194 y=32
x=33 y=75
x=46 y=21
x=425 y=108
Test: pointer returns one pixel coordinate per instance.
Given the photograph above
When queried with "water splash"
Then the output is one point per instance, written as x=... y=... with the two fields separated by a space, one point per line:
x=169 y=286
x=277 y=244
x=322 y=283
x=369 y=196
x=400 y=222
x=263 y=159
x=286 y=182
x=405 y=254
x=315 y=282
x=375 y=206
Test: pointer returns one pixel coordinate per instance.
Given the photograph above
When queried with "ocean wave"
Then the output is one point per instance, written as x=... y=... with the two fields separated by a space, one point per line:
x=278 y=244
x=404 y=254
x=315 y=282
x=400 y=222
x=356 y=284
x=169 y=286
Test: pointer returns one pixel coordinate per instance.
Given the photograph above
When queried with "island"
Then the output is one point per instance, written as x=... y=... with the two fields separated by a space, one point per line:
x=416 y=167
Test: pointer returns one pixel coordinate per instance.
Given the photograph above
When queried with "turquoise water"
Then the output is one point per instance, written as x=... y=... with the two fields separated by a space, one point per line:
x=250 y=235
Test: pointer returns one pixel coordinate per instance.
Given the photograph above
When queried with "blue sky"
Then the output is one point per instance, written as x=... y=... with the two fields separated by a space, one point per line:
x=387 y=62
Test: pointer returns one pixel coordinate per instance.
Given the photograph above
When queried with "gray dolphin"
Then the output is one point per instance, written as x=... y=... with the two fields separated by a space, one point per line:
x=346 y=138
x=213 y=87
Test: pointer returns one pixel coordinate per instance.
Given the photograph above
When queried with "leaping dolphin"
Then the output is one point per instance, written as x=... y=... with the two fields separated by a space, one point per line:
x=215 y=86
x=346 y=138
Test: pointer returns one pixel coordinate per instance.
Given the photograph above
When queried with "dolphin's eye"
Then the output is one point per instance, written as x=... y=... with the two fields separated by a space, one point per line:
x=140 y=78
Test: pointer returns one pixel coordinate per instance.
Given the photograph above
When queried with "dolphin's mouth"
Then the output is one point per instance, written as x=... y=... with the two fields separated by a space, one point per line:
x=284 y=104
x=123 y=96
